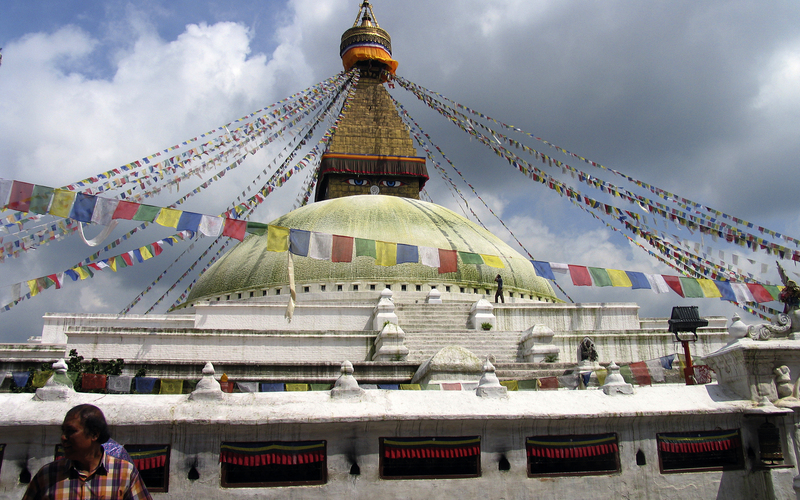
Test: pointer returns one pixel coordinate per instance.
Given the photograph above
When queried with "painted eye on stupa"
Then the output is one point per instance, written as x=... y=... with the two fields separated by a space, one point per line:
x=392 y=184
x=358 y=182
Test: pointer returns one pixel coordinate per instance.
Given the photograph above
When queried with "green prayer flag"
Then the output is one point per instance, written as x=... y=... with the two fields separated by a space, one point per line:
x=321 y=387
x=600 y=276
x=773 y=290
x=626 y=373
x=40 y=378
x=528 y=385
x=470 y=258
x=256 y=228
x=146 y=213
x=365 y=248
x=691 y=288
x=431 y=387
x=40 y=199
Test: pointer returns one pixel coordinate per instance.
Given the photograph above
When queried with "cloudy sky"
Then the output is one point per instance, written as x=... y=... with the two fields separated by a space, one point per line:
x=698 y=98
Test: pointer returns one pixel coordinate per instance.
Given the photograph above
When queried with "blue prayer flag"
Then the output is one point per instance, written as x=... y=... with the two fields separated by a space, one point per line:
x=83 y=207
x=269 y=387
x=189 y=221
x=407 y=253
x=543 y=269
x=638 y=280
x=298 y=241
x=725 y=289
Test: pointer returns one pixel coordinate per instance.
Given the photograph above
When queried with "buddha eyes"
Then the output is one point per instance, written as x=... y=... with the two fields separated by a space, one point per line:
x=365 y=182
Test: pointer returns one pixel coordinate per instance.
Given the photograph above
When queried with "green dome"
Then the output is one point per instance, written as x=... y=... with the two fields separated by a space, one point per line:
x=249 y=266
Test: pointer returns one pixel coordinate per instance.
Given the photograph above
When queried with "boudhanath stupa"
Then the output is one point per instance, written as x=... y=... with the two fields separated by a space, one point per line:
x=364 y=357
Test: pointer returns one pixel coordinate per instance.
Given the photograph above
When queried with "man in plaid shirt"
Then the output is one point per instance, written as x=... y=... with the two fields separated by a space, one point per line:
x=86 y=472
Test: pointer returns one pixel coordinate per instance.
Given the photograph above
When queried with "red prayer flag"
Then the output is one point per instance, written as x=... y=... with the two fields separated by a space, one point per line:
x=20 y=196
x=759 y=292
x=156 y=249
x=675 y=283
x=580 y=275
x=448 y=261
x=127 y=258
x=91 y=381
x=125 y=210
x=235 y=229
x=548 y=383
x=342 y=249
x=55 y=280
x=641 y=373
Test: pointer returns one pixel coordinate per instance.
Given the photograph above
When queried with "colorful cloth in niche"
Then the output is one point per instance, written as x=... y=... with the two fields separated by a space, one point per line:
x=438 y=447
x=276 y=452
x=571 y=446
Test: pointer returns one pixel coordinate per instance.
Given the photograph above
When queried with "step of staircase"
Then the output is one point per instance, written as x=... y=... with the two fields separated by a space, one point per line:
x=419 y=317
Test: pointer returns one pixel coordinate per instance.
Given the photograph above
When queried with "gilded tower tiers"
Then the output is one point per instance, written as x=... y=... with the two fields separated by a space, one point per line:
x=372 y=151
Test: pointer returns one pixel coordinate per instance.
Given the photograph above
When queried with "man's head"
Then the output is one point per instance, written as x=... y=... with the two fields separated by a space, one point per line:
x=84 y=431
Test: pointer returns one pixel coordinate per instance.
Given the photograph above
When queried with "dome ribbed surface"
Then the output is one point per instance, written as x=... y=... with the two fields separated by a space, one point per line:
x=393 y=219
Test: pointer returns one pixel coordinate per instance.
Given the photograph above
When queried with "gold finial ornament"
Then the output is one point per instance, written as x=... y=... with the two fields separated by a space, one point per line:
x=366 y=43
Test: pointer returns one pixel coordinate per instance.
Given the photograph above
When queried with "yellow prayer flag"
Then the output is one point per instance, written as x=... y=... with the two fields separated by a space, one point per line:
x=511 y=385
x=171 y=386
x=492 y=261
x=296 y=387
x=619 y=278
x=145 y=253
x=82 y=272
x=62 y=203
x=710 y=290
x=601 y=376
x=277 y=239
x=34 y=288
x=385 y=253
x=112 y=263
x=169 y=217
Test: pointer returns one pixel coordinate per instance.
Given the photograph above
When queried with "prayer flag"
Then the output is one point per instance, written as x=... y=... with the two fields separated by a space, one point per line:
x=640 y=373
x=210 y=225
x=691 y=288
x=62 y=203
x=83 y=272
x=342 y=250
x=5 y=191
x=40 y=378
x=385 y=253
x=389 y=387
x=403 y=387
x=40 y=199
x=619 y=278
x=296 y=387
x=119 y=383
x=710 y=290
x=666 y=361
x=146 y=213
x=125 y=210
x=656 y=370
x=558 y=267
x=448 y=261
x=511 y=385
x=470 y=258
x=543 y=269
x=189 y=221
x=93 y=381
x=20 y=378
x=299 y=241
x=657 y=283
x=451 y=386
x=407 y=253
x=429 y=256
x=627 y=374
x=104 y=210
x=742 y=293
x=270 y=387
x=257 y=228
x=20 y=196
x=83 y=207
x=492 y=261
x=277 y=239
x=638 y=280
x=365 y=248
x=169 y=217
x=549 y=383
x=773 y=290
x=600 y=276
x=320 y=246
x=145 y=253
x=674 y=283
x=145 y=385
x=247 y=386
x=138 y=254
x=235 y=229
x=33 y=287
x=760 y=294
x=127 y=258
x=171 y=386
x=580 y=275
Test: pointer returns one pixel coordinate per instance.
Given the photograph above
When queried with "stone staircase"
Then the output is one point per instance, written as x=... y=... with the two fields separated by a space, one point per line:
x=423 y=317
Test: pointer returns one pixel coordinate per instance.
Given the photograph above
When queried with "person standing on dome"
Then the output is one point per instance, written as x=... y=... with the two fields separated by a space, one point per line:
x=499 y=292
x=86 y=471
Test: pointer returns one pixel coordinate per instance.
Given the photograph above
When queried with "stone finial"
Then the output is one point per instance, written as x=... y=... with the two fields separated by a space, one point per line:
x=389 y=344
x=434 y=297
x=346 y=385
x=737 y=330
x=481 y=312
x=58 y=387
x=615 y=383
x=207 y=387
x=489 y=385
x=384 y=311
